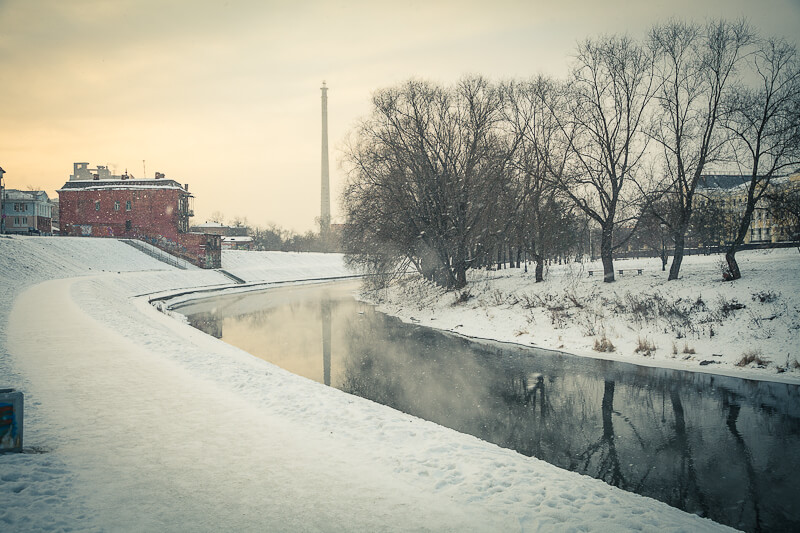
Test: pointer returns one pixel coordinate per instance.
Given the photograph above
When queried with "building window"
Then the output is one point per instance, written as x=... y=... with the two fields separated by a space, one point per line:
x=128 y=225
x=97 y=205
x=128 y=205
x=116 y=206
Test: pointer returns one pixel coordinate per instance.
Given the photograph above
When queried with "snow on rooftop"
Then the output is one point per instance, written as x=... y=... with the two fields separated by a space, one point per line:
x=15 y=194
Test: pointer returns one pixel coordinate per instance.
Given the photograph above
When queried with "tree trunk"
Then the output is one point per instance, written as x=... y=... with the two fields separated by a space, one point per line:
x=539 y=269
x=677 y=254
x=606 y=254
x=460 y=267
x=730 y=255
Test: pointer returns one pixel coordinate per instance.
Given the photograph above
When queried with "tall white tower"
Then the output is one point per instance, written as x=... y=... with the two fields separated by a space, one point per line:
x=325 y=200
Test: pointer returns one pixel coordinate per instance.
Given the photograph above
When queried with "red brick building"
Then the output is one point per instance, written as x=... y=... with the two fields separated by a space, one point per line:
x=153 y=210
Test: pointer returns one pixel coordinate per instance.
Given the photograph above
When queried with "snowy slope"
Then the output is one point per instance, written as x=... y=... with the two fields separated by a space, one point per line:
x=697 y=322
x=282 y=266
x=150 y=425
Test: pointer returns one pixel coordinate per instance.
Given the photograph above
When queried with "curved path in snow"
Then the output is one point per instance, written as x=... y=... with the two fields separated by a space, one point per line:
x=156 y=427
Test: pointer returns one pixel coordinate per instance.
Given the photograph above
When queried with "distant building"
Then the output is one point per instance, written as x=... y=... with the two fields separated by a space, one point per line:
x=26 y=212
x=55 y=220
x=237 y=243
x=95 y=203
x=217 y=228
x=213 y=228
x=729 y=193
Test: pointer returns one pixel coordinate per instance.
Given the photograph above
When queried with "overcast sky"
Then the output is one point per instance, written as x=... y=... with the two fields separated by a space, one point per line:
x=224 y=95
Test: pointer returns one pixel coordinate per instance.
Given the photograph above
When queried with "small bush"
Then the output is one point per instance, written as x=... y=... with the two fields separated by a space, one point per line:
x=765 y=297
x=645 y=347
x=558 y=316
x=727 y=307
x=497 y=297
x=531 y=301
x=604 y=345
x=686 y=348
x=574 y=299
x=699 y=305
x=753 y=357
x=462 y=297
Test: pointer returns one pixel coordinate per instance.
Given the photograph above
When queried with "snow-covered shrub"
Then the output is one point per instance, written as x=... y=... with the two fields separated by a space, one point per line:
x=604 y=345
x=753 y=357
x=765 y=297
x=645 y=347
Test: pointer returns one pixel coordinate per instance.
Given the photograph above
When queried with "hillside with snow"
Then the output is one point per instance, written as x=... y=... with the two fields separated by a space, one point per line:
x=137 y=422
x=747 y=328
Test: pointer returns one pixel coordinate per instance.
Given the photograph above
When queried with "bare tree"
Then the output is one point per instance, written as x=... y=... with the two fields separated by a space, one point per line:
x=542 y=218
x=694 y=68
x=765 y=124
x=273 y=237
x=425 y=171
x=218 y=217
x=601 y=117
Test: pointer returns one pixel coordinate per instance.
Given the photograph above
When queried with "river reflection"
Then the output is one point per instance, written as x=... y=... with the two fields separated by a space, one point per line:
x=724 y=448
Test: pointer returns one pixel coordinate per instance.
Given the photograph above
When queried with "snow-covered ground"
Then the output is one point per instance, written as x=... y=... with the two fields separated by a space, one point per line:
x=137 y=422
x=697 y=322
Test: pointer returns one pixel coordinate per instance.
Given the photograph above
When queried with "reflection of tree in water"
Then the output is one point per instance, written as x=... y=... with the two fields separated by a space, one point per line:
x=569 y=420
x=603 y=452
x=632 y=431
x=686 y=492
x=752 y=501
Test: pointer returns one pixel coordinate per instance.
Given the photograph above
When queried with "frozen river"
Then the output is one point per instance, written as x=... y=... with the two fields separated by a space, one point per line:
x=721 y=447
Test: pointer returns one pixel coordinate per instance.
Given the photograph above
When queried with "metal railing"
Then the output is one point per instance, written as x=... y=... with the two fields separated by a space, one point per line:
x=157 y=253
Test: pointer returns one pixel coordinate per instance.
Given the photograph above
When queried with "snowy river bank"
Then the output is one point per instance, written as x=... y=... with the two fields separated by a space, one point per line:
x=146 y=424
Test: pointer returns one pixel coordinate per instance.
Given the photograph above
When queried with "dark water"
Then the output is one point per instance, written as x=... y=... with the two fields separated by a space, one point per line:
x=724 y=448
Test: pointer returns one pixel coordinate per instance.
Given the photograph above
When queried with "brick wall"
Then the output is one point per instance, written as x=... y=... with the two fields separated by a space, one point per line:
x=201 y=249
x=152 y=211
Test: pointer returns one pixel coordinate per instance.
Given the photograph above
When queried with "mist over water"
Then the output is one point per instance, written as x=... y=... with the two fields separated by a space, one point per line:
x=721 y=447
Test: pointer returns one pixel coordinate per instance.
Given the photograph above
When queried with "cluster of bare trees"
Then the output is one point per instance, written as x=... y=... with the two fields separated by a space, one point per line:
x=445 y=178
